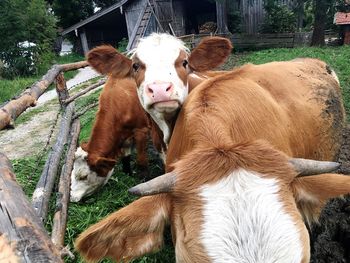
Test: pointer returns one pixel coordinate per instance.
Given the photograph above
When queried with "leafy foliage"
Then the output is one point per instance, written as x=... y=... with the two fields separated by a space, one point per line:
x=104 y=3
x=22 y=23
x=279 y=19
x=70 y=12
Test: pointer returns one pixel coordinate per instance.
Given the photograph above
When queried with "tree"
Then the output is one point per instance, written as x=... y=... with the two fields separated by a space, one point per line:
x=104 y=3
x=22 y=23
x=70 y=12
x=318 y=34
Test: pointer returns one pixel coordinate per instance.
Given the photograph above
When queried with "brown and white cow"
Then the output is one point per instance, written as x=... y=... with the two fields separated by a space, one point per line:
x=231 y=198
x=120 y=122
x=160 y=66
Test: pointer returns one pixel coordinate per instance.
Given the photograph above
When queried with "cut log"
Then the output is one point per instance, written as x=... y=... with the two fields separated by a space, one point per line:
x=84 y=91
x=22 y=234
x=11 y=110
x=43 y=190
x=60 y=217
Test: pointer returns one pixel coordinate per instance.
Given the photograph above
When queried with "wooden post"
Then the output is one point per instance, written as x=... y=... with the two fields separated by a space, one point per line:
x=84 y=42
x=22 y=235
x=43 y=190
x=221 y=17
x=60 y=217
x=61 y=88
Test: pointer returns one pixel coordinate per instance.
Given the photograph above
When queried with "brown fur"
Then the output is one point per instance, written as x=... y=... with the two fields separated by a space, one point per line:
x=106 y=60
x=122 y=234
x=210 y=53
x=284 y=107
x=119 y=117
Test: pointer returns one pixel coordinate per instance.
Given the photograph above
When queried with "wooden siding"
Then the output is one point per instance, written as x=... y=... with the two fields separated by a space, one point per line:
x=253 y=13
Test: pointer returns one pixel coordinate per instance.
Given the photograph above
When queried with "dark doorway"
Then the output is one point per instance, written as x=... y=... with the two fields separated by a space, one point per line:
x=197 y=13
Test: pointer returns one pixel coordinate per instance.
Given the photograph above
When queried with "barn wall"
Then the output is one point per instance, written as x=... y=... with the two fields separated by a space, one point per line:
x=178 y=23
x=253 y=14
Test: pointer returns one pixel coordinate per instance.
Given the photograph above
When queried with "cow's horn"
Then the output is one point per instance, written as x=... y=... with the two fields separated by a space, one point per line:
x=310 y=167
x=160 y=184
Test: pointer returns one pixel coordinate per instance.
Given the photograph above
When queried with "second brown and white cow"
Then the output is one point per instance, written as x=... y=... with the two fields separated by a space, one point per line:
x=120 y=123
x=231 y=198
x=160 y=65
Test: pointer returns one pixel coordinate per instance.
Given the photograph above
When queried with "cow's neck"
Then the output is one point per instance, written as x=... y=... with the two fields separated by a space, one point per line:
x=166 y=124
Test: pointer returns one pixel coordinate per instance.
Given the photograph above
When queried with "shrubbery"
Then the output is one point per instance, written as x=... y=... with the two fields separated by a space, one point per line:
x=28 y=31
x=279 y=19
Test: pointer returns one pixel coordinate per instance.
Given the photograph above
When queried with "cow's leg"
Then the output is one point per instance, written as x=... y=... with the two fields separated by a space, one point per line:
x=126 y=165
x=141 y=138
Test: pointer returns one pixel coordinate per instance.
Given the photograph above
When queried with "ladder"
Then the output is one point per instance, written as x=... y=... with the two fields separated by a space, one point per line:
x=141 y=26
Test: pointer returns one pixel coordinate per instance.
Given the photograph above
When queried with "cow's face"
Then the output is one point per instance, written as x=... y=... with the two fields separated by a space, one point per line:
x=160 y=66
x=85 y=181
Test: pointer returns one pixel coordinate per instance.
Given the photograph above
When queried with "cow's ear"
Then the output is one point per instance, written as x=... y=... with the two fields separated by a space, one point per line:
x=129 y=233
x=312 y=192
x=210 y=53
x=107 y=60
x=102 y=165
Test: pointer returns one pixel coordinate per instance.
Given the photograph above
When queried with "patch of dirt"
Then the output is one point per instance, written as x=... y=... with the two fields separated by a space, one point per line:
x=29 y=138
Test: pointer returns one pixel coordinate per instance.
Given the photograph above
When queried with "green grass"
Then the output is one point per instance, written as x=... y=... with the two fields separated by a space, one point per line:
x=114 y=194
x=11 y=88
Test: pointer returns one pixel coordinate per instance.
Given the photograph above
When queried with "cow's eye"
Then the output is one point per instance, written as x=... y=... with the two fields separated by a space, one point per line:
x=136 y=66
x=185 y=63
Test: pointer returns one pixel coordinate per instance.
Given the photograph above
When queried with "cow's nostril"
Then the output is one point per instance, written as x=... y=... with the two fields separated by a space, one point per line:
x=168 y=88
x=150 y=90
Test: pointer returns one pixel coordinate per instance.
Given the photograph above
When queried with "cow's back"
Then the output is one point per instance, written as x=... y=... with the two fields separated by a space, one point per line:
x=295 y=105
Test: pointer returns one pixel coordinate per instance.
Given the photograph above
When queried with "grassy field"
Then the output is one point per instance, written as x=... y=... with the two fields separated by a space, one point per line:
x=114 y=195
x=11 y=88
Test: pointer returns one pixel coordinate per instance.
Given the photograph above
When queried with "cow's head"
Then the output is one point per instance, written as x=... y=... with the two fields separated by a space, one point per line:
x=89 y=173
x=243 y=208
x=160 y=66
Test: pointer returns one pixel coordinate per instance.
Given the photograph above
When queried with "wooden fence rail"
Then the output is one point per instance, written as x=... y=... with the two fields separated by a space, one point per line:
x=11 y=110
x=22 y=234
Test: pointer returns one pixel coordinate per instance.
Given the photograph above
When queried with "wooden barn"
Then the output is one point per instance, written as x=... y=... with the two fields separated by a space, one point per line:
x=132 y=19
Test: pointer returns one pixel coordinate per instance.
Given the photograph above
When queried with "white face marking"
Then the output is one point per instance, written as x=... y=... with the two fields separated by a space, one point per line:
x=159 y=53
x=84 y=181
x=245 y=222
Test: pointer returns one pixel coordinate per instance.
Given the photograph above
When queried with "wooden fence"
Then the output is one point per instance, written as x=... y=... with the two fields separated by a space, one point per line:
x=258 y=41
x=23 y=237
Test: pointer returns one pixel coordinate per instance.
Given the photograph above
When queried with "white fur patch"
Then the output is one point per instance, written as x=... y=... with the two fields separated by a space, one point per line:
x=245 y=222
x=84 y=181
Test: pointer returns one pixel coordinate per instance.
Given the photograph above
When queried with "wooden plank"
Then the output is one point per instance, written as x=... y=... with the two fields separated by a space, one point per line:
x=43 y=190
x=84 y=91
x=60 y=217
x=22 y=235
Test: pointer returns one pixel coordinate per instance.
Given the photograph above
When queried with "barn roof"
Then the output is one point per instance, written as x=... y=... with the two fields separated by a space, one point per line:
x=94 y=17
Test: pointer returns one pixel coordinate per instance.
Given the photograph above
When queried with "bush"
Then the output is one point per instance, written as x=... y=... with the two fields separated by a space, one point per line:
x=28 y=31
x=279 y=19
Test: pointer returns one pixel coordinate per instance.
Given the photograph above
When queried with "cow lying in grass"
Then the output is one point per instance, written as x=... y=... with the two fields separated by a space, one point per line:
x=231 y=198
x=120 y=122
